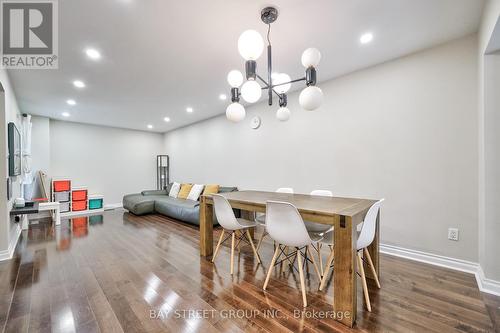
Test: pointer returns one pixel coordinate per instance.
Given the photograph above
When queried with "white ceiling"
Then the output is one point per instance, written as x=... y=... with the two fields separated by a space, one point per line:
x=158 y=57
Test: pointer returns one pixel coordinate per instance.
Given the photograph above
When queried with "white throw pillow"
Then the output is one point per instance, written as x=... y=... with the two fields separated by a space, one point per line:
x=195 y=192
x=174 y=190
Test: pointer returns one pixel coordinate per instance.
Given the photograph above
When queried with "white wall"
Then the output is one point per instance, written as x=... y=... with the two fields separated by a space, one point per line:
x=405 y=130
x=40 y=150
x=490 y=262
x=9 y=112
x=110 y=161
x=489 y=156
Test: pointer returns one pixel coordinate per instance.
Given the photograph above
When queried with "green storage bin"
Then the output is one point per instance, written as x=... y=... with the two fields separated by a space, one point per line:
x=95 y=203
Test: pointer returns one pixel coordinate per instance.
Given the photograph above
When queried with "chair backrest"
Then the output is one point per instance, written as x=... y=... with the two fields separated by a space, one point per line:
x=322 y=193
x=367 y=233
x=285 y=225
x=285 y=190
x=224 y=213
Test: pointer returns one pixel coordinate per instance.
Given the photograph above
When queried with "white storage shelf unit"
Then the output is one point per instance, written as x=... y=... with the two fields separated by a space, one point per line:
x=61 y=190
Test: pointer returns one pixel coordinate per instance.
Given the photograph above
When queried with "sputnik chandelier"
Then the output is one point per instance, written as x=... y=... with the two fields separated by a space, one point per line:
x=250 y=46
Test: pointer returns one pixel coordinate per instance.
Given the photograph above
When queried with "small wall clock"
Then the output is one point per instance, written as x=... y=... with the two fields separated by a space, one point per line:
x=255 y=122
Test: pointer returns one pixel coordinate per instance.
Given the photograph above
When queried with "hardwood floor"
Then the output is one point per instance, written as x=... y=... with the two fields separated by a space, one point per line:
x=113 y=273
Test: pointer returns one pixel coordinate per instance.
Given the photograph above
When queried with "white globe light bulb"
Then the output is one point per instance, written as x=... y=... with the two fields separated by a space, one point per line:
x=279 y=79
x=235 y=112
x=283 y=114
x=311 y=57
x=311 y=98
x=235 y=78
x=250 y=45
x=251 y=91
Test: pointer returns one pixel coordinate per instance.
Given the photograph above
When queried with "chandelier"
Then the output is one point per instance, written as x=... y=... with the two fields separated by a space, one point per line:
x=251 y=46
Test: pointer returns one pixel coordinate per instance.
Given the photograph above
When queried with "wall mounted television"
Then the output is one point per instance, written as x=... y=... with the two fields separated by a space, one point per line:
x=14 y=141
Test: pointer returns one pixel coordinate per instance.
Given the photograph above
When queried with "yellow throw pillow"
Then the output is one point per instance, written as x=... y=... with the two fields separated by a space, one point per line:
x=211 y=189
x=184 y=192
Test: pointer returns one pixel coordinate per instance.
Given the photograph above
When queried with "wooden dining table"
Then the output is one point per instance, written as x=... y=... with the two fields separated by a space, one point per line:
x=344 y=214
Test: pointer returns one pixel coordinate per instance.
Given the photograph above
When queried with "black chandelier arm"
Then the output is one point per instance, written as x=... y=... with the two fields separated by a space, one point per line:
x=292 y=81
x=266 y=85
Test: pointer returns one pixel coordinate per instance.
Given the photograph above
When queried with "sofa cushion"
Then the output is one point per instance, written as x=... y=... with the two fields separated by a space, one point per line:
x=178 y=208
x=185 y=203
x=211 y=188
x=139 y=204
x=155 y=192
x=174 y=190
x=184 y=192
x=225 y=189
x=195 y=192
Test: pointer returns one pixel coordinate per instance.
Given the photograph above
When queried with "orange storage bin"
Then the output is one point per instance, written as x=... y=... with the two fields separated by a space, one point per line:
x=61 y=185
x=79 y=205
x=79 y=195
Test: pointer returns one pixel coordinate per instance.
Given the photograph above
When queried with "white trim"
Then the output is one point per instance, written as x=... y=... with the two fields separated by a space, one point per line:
x=7 y=254
x=82 y=212
x=485 y=285
x=113 y=206
x=430 y=258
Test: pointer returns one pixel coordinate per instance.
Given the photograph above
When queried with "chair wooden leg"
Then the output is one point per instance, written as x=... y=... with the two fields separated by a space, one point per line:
x=253 y=246
x=370 y=262
x=363 y=281
x=314 y=263
x=302 y=282
x=264 y=233
x=271 y=266
x=238 y=234
x=326 y=270
x=218 y=245
x=233 y=235
x=320 y=259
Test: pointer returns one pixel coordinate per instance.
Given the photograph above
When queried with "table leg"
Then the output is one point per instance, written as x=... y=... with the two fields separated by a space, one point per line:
x=373 y=249
x=57 y=215
x=206 y=229
x=251 y=217
x=344 y=276
x=24 y=222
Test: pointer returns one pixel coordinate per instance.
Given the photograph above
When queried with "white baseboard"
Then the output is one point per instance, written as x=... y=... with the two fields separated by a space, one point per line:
x=113 y=206
x=485 y=285
x=7 y=254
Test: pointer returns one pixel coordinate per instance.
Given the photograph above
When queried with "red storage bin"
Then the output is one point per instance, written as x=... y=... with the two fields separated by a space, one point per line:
x=79 y=195
x=79 y=205
x=61 y=185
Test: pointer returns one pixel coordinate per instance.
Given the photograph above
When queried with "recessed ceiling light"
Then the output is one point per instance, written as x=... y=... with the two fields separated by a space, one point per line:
x=71 y=102
x=366 y=38
x=93 y=54
x=222 y=97
x=150 y=126
x=167 y=119
x=79 y=84
x=189 y=109
x=65 y=114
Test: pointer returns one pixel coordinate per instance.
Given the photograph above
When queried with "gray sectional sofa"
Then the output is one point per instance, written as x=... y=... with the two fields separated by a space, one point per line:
x=158 y=201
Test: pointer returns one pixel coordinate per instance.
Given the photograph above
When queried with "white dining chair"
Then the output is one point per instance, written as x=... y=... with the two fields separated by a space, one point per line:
x=318 y=228
x=286 y=227
x=365 y=238
x=232 y=225
x=260 y=218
